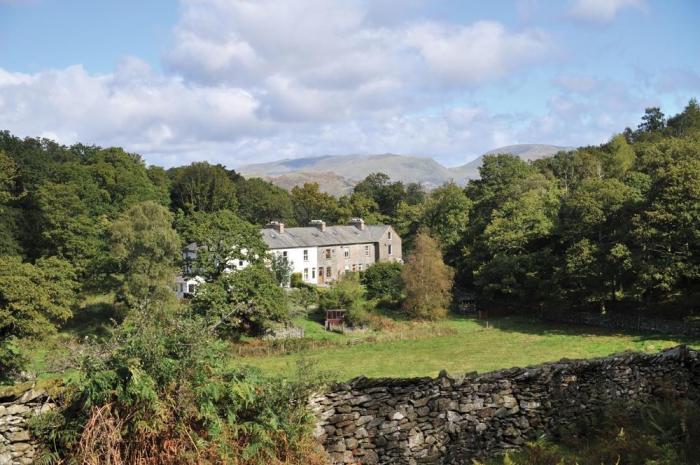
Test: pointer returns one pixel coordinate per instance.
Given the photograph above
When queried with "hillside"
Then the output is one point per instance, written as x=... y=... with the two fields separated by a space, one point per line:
x=461 y=174
x=337 y=174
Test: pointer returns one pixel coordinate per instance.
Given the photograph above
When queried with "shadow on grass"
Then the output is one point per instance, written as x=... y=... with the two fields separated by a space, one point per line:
x=96 y=319
x=531 y=325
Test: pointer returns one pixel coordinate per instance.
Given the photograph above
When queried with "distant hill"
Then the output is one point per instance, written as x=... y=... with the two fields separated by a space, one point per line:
x=462 y=174
x=338 y=174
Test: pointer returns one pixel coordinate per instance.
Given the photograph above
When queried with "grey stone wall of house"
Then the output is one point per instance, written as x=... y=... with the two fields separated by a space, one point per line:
x=453 y=420
x=16 y=444
x=358 y=259
x=389 y=247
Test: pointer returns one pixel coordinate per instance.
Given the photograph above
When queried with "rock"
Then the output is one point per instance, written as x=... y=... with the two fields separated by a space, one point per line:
x=396 y=416
x=19 y=436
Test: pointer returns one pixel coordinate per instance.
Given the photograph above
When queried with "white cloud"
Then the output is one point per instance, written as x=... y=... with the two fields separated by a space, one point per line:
x=248 y=81
x=476 y=53
x=602 y=11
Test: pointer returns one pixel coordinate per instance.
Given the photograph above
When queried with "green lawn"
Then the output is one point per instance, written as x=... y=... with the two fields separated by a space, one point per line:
x=463 y=345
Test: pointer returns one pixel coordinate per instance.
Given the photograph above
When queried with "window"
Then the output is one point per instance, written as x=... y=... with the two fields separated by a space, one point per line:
x=284 y=254
x=388 y=235
x=354 y=267
x=359 y=267
x=306 y=255
x=328 y=272
x=190 y=288
x=389 y=249
x=366 y=251
x=347 y=252
x=328 y=254
x=313 y=273
x=240 y=262
x=320 y=272
x=306 y=274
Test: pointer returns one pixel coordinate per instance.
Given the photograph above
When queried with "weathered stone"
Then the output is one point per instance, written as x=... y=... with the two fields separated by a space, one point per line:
x=18 y=436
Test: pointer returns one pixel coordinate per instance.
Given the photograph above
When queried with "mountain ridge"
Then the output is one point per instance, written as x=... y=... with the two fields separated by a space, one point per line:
x=337 y=174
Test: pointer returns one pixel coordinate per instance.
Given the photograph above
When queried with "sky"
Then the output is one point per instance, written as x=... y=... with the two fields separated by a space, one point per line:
x=247 y=81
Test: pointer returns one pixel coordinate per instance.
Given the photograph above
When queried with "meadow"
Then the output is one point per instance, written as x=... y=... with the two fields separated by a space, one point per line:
x=458 y=345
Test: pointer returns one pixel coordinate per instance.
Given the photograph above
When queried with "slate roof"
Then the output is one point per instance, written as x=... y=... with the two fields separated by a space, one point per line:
x=311 y=236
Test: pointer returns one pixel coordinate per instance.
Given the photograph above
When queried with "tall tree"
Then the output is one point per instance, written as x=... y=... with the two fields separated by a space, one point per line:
x=145 y=248
x=261 y=202
x=446 y=213
x=427 y=279
x=223 y=240
x=203 y=187
x=312 y=204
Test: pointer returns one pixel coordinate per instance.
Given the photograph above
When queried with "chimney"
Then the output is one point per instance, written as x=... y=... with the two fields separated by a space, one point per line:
x=276 y=225
x=320 y=224
x=359 y=223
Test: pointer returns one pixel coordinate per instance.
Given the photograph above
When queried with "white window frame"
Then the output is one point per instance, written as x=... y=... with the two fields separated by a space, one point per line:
x=346 y=252
x=306 y=274
x=306 y=255
x=366 y=251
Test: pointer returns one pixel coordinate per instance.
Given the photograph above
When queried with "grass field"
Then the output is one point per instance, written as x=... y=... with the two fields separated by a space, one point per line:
x=402 y=349
x=457 y=345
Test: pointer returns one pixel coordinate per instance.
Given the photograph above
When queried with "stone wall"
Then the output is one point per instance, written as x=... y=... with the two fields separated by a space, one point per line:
x=622 y=321
x=16 y=444
x=452 y=420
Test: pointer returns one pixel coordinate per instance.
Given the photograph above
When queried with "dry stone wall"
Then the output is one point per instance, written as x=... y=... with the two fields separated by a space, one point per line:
x=453 y=420
x=16 y=444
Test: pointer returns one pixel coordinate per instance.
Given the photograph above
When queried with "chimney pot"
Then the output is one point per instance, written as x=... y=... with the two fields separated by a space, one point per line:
x=359 y=223
x=320 y=224
x=277 y=226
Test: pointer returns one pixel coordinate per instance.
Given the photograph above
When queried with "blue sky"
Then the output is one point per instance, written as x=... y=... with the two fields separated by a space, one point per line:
x=241 y=81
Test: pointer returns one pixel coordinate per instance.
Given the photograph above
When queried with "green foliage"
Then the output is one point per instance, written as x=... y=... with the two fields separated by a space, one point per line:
x=446 y=214
x=244 y=301
x=310 y=203
x=144 y=247
x=281 y=268
x=224 y=240
x=663 y=433
x=261 y=202
x=386 y=194
x=428 y=280
x=203 y=187
x=383 y=281
x=34 y=299
x=344 y=293
x=296 y=280
x=159 y=391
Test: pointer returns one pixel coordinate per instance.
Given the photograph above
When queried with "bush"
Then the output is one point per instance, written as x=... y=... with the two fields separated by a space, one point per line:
x=296 y=280
x=383 y=281
x=160 y=392
x=246 y=301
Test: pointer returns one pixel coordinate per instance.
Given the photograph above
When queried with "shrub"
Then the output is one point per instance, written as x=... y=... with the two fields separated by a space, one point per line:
x=296 y=280
x=383 y=281
x=160 y=392
x=246 y=301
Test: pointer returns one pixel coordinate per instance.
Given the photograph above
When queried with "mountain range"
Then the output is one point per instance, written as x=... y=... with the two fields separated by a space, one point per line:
x=337 y=174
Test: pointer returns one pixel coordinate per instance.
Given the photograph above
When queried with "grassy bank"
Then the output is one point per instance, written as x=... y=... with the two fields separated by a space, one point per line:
x=458 y=345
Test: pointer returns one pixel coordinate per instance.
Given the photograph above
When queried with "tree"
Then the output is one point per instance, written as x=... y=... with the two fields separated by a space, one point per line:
x=241 y=302
x=261 y=202
x=383 y=281
x=8 y=178
x=34 y=300
x=619 y=158
x=387 y=195
x=427 y=279
x=312 y=204
x=224 y=240
x=653 y=120
x=446 y=214
x=203 y=187
x=145 y=248
x=281 y=268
